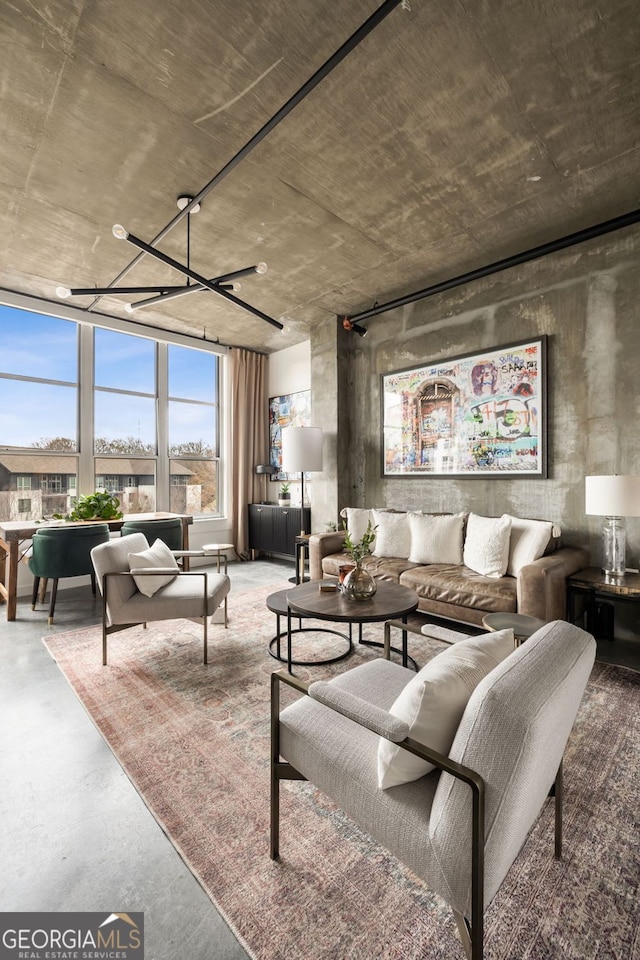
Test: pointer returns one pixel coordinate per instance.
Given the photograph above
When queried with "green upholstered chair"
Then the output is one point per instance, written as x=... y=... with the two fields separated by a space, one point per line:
x=169 y=530
x=59 y=552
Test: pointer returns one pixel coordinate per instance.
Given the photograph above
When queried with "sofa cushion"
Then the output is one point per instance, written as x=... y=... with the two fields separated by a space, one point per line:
x=433 y=701
x=393 y=536
x=461 y=587
x=529 y=540
x=436 y=538
x=157 y=557
x=486 y=544
x=357 y=521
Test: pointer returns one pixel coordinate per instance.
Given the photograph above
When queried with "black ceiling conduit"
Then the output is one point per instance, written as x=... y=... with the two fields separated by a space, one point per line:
x=363 y=31
x=608 y=226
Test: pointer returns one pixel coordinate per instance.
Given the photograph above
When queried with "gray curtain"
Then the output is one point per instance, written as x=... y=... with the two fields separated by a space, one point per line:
x=249 y=439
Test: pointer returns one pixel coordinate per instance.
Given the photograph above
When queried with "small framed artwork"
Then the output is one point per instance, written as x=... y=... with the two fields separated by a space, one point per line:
x=289 y=410
x=478 y=415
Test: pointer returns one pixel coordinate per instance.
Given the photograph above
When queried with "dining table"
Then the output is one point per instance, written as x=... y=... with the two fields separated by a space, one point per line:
x=14 y=533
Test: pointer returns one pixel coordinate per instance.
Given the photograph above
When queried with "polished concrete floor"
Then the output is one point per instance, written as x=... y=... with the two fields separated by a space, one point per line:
x=74 y=833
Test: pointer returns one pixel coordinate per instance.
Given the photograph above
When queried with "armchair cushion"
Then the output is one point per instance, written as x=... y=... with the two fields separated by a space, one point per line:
x=433 y=702
x=157 y=557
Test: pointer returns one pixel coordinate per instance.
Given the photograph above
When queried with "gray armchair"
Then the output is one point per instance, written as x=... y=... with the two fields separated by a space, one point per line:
x=190 y=595
x=461 y=826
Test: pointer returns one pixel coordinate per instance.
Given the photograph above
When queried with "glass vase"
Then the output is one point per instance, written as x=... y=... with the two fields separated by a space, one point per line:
x=359 y=584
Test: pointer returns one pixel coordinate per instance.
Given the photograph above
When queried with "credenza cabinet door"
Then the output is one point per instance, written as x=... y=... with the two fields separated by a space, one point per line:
x=274 y=529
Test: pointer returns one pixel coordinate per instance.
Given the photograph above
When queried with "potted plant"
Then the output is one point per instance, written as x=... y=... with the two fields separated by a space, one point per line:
x=284 y=497
x=358 y=583
x=94 y=506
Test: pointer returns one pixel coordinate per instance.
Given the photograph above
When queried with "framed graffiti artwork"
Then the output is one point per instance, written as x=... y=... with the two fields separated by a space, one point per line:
x=290 y=410
x=478 y=415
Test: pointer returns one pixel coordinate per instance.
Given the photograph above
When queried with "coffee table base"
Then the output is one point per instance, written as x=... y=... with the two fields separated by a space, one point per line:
x=290 y=661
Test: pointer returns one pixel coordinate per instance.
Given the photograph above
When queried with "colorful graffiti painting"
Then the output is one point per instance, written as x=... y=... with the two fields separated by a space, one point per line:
x=290 y=410
x=478 y=415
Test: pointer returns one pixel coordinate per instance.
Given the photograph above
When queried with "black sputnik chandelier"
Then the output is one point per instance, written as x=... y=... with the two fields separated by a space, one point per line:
x=225 y=285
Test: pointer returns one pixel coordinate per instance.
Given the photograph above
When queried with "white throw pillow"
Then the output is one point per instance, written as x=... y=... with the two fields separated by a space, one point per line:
x=393 y=536
x=158 y=557
x=486 y=545
x=357 y=520
x=436 y=539
x=529 y=539
x=433 y=701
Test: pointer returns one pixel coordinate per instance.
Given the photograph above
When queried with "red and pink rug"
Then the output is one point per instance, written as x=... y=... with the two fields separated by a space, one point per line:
x=194 y=740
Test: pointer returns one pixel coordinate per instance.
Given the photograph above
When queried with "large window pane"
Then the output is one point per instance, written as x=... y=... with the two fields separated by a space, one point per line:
x=34 y=345
x=192 y=429
x=38 y=415
x=33 y=486
x=132 y=481
x=124 y=424
x=193 y=486
x=193 y=374
x=124 y=362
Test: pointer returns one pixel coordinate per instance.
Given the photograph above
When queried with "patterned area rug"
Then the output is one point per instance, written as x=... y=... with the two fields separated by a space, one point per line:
x=195 y=742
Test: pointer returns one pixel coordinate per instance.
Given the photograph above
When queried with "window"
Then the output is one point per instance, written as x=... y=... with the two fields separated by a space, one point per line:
x=193 y=430
x=24 y=506
x=51 y=483
x=147 y=412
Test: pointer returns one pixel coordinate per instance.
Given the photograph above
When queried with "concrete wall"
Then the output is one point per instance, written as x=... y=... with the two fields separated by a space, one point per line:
x=586 y=300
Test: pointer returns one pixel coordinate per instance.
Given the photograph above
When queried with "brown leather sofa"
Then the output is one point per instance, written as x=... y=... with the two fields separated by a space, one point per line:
x=455 y=592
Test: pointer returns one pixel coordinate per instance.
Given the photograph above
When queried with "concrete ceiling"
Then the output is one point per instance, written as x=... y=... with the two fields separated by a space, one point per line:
x=458 y=133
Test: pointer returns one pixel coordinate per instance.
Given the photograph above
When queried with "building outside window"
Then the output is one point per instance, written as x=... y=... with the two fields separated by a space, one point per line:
x=148 y=418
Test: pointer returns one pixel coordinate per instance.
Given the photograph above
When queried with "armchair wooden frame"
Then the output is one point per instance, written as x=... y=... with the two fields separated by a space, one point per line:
x=471 y=931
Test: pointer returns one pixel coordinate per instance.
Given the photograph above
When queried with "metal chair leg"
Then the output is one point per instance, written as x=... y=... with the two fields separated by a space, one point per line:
x=34 y=595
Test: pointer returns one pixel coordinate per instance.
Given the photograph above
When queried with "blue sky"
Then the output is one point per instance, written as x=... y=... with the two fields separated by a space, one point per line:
x=35 y=345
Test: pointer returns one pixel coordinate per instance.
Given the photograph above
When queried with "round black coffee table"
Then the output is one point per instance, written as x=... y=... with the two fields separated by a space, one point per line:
x=277 y=603
x=390 y=602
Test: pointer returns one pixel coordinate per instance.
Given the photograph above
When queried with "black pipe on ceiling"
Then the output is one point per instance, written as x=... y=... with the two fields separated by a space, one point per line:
x=350 y=44
x=589 y=233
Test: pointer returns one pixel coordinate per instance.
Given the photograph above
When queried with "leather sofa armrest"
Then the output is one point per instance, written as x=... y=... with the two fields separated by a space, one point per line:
x=542 y=585
x=322 y=545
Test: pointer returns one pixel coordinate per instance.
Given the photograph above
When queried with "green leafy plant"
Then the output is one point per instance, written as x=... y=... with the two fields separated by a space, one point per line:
x=94 y=506
x=284 y=489
x=362 y=547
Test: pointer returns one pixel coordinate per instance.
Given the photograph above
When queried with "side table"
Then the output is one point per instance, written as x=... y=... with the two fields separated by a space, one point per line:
x=593 y=586
x=219 y=551
x=302 y=551
x=523 y=626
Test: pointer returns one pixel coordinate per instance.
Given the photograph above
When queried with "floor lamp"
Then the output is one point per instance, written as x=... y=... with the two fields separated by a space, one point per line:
x=301 y=453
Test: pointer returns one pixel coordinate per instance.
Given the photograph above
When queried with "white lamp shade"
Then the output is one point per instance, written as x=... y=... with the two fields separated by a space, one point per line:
x=301 y=449
x=612 y=496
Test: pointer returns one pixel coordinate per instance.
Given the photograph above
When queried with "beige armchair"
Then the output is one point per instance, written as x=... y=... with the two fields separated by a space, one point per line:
x=460 y=826
x=191 y=595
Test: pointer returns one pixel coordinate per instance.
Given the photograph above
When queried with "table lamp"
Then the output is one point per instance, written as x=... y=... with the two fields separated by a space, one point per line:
x=301 y=453
x=614 y=498
x=265 y=470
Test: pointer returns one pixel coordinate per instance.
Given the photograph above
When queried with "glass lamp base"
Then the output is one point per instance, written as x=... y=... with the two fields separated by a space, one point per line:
x=613 y=547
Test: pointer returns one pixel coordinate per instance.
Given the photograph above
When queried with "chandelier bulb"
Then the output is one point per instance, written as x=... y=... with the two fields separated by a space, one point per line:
x=261 y=267
x=128 y=307
x=119 y=232
x=63 y=292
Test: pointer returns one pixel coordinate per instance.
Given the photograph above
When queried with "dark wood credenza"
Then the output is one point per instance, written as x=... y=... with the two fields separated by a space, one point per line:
x=274 y=529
